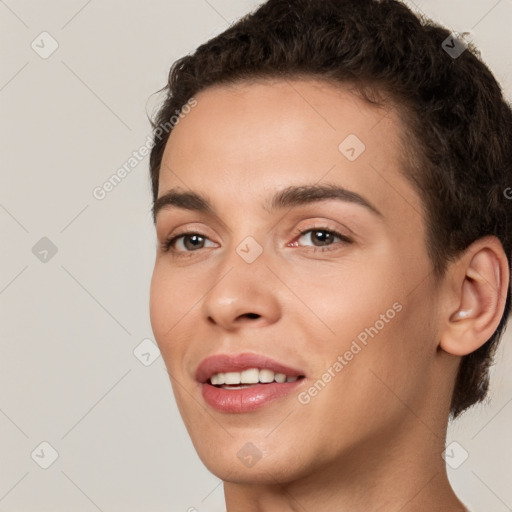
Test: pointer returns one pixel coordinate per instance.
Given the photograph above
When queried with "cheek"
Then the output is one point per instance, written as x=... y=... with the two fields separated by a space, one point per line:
x=394 y=367
x=346 y=300
x=372 y=319
x=169 y=304
x=158 y=303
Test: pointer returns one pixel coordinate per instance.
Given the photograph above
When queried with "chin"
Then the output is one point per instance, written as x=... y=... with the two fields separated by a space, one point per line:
x=263 y=473
x=242 y=462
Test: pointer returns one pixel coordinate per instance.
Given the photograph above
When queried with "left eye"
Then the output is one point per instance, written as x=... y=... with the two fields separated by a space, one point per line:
x=324 y=237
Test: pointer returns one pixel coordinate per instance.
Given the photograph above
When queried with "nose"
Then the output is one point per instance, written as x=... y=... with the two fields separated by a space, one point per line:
x=244 y=294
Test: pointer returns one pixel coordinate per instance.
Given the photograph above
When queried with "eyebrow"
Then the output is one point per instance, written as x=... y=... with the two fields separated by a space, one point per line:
x=289 y=197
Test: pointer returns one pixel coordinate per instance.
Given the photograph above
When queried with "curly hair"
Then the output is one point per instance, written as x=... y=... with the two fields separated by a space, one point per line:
x=458 y=153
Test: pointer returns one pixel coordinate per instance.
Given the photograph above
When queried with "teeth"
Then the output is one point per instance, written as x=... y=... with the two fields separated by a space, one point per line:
x=266 y=376
x=217 y=379
x=249 y=376
x=232 y=378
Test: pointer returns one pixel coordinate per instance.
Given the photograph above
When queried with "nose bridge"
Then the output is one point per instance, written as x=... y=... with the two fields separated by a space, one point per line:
x=241 y=289
x=246 y=241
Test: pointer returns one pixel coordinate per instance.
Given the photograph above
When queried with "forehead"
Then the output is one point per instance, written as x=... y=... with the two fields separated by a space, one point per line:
x=242 y=142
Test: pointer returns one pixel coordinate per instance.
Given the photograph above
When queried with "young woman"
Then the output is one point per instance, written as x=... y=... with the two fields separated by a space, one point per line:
x=332 y=278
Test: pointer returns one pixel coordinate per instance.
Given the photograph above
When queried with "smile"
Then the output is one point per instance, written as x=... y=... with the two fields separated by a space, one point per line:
x=245 y=382
x=249 y=376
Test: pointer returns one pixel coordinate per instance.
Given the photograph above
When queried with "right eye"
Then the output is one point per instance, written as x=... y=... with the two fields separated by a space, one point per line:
x=189 y=242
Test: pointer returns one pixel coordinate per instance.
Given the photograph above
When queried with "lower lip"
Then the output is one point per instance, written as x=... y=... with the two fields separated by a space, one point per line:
x=248 y=399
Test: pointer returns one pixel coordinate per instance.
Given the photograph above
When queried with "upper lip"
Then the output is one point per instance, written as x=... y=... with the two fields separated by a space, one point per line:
x=222 y=363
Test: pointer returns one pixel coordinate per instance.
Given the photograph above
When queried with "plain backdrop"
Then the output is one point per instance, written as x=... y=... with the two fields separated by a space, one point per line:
x=79 y=371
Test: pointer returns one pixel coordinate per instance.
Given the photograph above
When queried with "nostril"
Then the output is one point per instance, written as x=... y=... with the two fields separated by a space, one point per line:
x=252 y=315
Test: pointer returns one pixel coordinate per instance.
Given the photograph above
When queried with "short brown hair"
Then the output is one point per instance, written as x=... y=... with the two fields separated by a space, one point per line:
x=459 y=155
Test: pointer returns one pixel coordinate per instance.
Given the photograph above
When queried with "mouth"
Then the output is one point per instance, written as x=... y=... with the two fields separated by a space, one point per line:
x=248 y=378
x=245 y=382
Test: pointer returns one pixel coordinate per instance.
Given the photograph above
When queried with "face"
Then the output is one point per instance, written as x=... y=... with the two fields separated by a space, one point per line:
x=332 y=288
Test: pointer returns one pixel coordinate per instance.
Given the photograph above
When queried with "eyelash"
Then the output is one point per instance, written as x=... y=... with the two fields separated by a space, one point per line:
x=344 y=239
x=169 y=242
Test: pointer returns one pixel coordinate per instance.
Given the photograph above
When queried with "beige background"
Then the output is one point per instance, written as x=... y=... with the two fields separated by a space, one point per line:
x=69 y=326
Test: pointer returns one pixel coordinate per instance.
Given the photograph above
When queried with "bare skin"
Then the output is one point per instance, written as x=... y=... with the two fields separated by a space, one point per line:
x=371 y=439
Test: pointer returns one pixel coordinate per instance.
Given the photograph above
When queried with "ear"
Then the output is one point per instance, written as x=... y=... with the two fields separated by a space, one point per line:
x=478 y=284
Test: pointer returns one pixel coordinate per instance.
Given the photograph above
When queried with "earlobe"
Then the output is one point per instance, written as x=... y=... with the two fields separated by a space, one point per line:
x=481 y=285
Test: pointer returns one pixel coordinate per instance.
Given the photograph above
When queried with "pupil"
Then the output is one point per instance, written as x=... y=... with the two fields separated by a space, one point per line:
x=197 y=238
x=323 y=238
